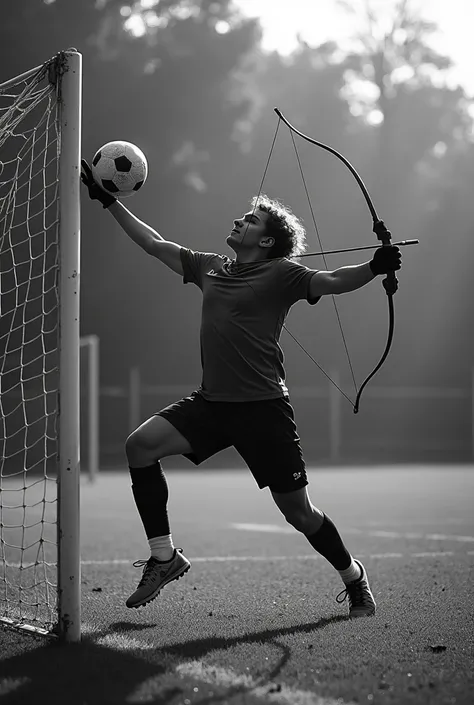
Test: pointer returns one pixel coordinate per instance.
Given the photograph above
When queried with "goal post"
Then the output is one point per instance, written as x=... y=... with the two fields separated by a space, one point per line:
x=68 y=69
x=90 y=390
x=40 y=149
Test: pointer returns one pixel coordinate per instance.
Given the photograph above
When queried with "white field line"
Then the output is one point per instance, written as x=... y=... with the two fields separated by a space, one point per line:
x=278 y=529
x=270 y=692
x=421 y=521
x=413 y=535
x=264 y=559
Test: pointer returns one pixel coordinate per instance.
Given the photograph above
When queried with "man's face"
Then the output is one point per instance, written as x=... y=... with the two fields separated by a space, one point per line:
x=248 y=231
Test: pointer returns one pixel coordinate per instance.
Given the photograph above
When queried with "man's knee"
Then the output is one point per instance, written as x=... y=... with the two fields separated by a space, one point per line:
x=137 y=440
x=156 y=439
x=307 y=522
x=136 y=443
x=298 y=510
x=144 y=444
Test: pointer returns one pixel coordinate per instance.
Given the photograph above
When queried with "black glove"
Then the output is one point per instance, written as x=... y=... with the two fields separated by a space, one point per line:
x=95 y=192
x=386 y=259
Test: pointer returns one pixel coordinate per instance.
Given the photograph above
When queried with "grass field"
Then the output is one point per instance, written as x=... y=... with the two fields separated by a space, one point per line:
x=255 y=620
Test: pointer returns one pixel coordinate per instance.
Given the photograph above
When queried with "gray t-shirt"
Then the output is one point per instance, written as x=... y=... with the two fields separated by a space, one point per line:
x=243 y=311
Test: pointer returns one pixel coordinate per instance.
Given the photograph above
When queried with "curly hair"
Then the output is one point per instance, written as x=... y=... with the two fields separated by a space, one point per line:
x=283 y=225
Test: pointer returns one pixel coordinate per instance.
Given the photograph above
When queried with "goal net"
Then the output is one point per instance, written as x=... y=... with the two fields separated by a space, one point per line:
x=39 y=348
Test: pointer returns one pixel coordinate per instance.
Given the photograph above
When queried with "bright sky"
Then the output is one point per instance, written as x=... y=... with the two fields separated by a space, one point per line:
x=319 y=20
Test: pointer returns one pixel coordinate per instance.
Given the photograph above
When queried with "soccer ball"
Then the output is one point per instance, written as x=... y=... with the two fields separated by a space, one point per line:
x=120 y=168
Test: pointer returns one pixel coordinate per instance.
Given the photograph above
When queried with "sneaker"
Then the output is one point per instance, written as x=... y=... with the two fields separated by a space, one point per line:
x=361 y=600
x=157 y=574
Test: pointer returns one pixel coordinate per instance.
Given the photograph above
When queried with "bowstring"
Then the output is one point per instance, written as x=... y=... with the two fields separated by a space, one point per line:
x=351 y=402
x=310 y=204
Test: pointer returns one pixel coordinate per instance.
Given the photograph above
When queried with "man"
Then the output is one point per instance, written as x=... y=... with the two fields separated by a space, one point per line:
x=243 y=400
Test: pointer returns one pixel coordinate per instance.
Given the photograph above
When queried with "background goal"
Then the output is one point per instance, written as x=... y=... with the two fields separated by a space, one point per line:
x=40 y=127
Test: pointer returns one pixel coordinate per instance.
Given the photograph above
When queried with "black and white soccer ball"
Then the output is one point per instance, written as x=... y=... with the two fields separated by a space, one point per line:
x=120 y=168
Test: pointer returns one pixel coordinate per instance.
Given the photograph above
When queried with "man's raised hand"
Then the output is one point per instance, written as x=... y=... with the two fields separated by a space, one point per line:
x=95 y=192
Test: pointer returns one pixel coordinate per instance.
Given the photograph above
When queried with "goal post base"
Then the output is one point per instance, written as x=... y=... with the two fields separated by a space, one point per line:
x=27 y=628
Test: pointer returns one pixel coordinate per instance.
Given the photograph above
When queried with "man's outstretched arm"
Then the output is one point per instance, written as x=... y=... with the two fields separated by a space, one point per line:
x=340 y=281
x=345 y=279
x=138 y=231
x=147 y=238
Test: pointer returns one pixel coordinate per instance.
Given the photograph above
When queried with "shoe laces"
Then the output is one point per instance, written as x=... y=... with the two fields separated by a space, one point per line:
x=149 y=571
x=356 y=592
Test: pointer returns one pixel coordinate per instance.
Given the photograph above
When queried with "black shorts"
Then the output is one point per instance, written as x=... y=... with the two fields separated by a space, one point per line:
x=262 y=432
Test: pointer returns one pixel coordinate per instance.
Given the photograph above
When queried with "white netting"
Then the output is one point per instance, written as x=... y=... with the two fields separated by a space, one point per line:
x=29 y=254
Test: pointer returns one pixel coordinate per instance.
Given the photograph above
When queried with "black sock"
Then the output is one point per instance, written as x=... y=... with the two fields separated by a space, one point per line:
x=329 y=544
x=150 y=491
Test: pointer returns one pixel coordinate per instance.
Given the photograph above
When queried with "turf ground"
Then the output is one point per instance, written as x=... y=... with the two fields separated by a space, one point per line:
x=255 y=620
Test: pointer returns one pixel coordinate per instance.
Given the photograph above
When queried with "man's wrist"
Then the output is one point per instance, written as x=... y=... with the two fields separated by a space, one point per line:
x=371 y=265
x=107 y=199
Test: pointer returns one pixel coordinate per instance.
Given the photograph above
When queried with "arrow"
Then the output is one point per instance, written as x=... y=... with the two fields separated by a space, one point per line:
x=401 y=243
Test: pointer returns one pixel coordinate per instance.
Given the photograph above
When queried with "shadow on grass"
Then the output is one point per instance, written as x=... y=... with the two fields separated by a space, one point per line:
x=89 y=673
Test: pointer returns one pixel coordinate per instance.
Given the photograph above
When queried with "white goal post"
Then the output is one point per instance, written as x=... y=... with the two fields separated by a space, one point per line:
x=90 y=387
x=40 y=149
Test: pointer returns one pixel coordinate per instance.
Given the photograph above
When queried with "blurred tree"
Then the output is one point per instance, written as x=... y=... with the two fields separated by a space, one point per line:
x=394 y=81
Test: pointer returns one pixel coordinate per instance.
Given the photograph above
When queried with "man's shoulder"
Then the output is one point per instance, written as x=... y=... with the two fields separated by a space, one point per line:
x=290 y=264
x=204 y=258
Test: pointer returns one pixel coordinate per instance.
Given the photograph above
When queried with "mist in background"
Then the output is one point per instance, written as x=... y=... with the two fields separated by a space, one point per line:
x=189 y=84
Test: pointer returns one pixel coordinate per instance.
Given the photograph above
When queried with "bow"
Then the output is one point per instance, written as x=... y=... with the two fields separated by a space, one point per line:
x=390 y=283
